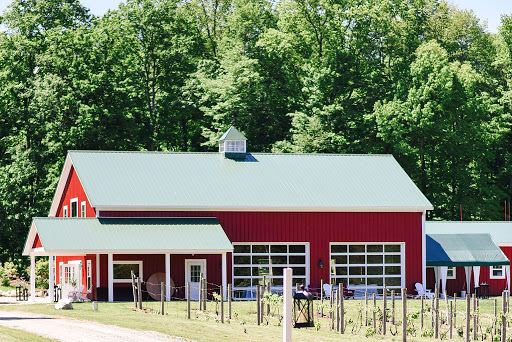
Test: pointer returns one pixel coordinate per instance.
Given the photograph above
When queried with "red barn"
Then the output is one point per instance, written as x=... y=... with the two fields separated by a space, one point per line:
x=232 y=216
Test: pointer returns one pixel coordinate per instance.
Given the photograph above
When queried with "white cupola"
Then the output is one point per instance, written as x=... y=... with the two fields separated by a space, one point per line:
x=233 y=144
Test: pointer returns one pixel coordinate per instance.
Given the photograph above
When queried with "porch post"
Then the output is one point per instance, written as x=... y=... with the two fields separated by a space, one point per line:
x=468 y=269
x=32 y=277
x=51 y=280
x=224 y=276
x=110 y=277
x=476 y=276
x=97 y=271
x=167 y=276
x=507 y=274
x=444 y=274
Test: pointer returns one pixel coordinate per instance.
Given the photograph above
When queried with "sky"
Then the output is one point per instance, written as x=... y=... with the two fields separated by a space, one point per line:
x=489 y=11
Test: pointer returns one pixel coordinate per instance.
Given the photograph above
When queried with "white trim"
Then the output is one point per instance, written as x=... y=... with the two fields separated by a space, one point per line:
x=29 y=242
x=454 y=273
x=127 y=262
x=65 y=211
x=110 y=277
x=167 y=276
x=71 y=201
x=423 y=250
x=51 y=277
x=264 y=208
x=224 y=266
x=83 y=209
x=97 y=270
x=491 y=276
x=204 y=266
x=70 y=252
x=365 y=253
x=32 y=277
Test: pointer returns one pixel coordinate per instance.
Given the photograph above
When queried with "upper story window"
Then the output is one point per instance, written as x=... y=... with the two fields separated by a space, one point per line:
x=451 y=273
x=237 y=146
x=74 y=207
x=65 y=211
x=83 y=209
x=232 y=141
x=497 y=272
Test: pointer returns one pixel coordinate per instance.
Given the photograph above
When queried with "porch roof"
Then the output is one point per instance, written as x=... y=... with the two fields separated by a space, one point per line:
x=463 y=250
x=68 y=236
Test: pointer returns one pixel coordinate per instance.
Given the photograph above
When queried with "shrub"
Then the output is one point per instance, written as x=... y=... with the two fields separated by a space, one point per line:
x=8 y=273
x=42 y=273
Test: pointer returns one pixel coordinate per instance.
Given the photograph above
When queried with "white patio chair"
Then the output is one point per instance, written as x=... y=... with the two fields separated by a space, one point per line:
x=423 y=292
x=327 y=291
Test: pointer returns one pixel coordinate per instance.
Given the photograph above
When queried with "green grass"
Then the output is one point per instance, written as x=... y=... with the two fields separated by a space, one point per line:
x=15 y=335
x=206 y=327
x=6 y=288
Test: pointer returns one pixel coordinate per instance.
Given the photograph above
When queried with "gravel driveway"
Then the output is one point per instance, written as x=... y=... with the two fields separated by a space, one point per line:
x=66 y=329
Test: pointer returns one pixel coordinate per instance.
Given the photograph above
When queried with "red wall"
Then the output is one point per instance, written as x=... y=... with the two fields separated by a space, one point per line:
x=496 y=286
x=316 y=228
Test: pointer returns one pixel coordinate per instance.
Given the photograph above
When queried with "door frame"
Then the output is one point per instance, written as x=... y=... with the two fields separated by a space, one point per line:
x=187 y=269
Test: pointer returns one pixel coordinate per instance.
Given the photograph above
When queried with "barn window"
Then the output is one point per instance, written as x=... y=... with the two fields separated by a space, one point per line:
x=368 y=265
x=497 y=272
x=89 y=275
x=123 y=270
x=73 y=203
x=451 y=273
x=65 y=211
x=253 y=261
x=83 y=209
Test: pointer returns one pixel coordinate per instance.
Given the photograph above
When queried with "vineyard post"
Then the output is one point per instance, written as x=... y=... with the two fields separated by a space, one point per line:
x=450 y=320
x=269 y=291
x=337 y=305
x=436 y=313
x=455 y=310
x=322 y=297
x=139 y=292
x=331 y=310
x=162 y=297
x=404 y=314
x=134 y=290
x=422 y=312
x=188 y=300
x=258 y=306
x=393 y=307
x=384 y=311
x=495 y=313
x=468 y=317
x=200 y=301
x=365 y=308
x=229 y=300
x=374 y=316
x=475 y=318
x=221 y=291
x=342 y=310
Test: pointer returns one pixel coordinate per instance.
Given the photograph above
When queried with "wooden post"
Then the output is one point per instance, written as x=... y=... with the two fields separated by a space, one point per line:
x=162 y=297
x=258 y=306
x=404 y=314
x=342 y=310
x=504 y=317
x=455 y=311
x=468 y=317
x=422 y=313
x=495 y=313
x=337 y=310
x=365 y=308
x=221 y=290
x=374 y=317
x=321 y=298
x=436 y=314
x=384 y=310
x=229 y=301
x=475 y=318
x=200 y=299
x=139 y=292
x=134 y=290
x=432 y=311
x=269 y=293
x=205 y=296
x=188 y=300
x=450 y=320
x=331 y=311
x=393 y=307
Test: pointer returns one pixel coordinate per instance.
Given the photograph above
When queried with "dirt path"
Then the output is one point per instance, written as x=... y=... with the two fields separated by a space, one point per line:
x=66 y=329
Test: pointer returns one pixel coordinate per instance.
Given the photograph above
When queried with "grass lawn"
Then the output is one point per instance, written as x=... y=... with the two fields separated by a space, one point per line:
x=15 y=335
x=206 y=327
x=6 y=288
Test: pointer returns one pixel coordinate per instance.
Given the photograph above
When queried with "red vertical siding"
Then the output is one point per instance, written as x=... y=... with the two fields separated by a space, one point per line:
x=319 y=229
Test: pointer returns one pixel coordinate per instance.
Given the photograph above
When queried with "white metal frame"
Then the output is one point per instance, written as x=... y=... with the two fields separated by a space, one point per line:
x=71 y=201
x=365 y=253
x=65 y=211
x=491 y=273
x=127 y=262
x=306 y=265
x=83 y=209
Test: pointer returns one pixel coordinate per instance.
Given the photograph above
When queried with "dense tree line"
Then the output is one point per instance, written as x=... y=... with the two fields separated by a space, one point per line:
x=417 y=78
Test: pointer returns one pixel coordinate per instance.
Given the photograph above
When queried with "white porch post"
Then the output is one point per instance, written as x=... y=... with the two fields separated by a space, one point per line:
x=423 y=250
x=51 y=276
x=167 y=276
x=467 y=269
x=444 y=274
x=436 y=276
x=507 y=274
x=476 y=276
x=110 y=277
x=287 y=304
x=97 y=271
x=32 y=277
x=224 y=275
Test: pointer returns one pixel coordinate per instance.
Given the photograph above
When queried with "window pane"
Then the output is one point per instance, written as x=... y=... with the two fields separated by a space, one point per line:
x=339 y=249
x=356 y=281
x=392 y=248
x=340 y=259
x=260 y=271
x=393 y=281
x=74 y=209
x=277 y=271
x=374 y=270
x=277 y=281
x=374 y=259
x=375 y=282
x=341 y=271
x=300 y=281
x=297 y=248
x=260 y=259
x=356 y=259
x=242 y=271
x=356 y=249
x=242 y=248
x=393 y=270
x=299 y=271
x=124 y=271
x=392 y=259
x=358 y=270
x=242 y=260
x=241 y=282
x=374 y=249
x=278 y=249
x=342 y=280
x=278 y=259
x=297 y=259
x=260 y=249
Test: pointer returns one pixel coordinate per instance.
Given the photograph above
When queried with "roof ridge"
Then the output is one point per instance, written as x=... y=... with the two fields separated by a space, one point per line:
x=253 y=153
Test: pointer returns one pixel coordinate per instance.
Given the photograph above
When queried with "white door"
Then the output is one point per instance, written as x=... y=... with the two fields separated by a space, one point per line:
x=193 y=270
x=70 y=278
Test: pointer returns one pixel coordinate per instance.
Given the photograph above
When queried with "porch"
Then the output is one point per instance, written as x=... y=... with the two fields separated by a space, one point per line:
x=99 y=254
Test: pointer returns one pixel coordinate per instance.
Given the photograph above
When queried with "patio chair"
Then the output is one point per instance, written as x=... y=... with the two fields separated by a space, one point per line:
x=327 y=291
x=423 y=292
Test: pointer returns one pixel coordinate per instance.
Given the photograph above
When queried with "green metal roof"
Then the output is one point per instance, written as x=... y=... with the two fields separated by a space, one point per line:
x=232 y=134
x=463 y=250
x=272 y=182
x=131 y=235
x=501 y=232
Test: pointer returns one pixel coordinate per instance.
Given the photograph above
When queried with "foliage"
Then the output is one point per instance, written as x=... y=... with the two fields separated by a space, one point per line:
x=42 y=273
x=419 y=79
x=8 y=273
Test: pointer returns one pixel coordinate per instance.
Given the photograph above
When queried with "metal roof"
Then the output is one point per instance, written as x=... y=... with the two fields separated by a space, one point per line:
x=501 y=232
x=129 y=235
x=260 y=182
x=232 y=134
x=463 y=250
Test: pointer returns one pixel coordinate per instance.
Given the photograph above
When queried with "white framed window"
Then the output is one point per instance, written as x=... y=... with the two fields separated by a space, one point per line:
x=89 y=275
x=83 y=209
x=73 y=205
x=65 y=211
x=451 y=273
x=253 y=261
x=368 y=265
x=497 y=272
x=123 y=270
x=237 y=146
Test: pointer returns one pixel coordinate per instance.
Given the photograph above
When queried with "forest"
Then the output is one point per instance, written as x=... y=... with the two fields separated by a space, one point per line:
x=418 y=79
